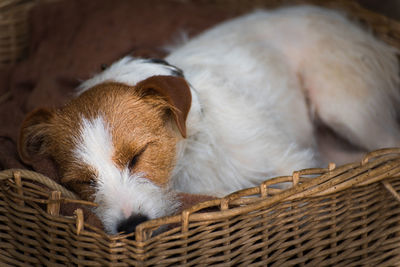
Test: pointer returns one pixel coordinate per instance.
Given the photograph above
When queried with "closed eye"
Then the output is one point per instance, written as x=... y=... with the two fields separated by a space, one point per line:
x=88 y=181
x=135 y=158
x=133 y=161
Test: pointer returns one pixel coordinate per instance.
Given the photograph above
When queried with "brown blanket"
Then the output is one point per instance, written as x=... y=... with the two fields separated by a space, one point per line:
x=72 y=39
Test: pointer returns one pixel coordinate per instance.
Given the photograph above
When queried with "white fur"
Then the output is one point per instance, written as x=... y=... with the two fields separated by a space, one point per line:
x=250 y=79
x=253 y=74
x=118 y=192
x=127 y=70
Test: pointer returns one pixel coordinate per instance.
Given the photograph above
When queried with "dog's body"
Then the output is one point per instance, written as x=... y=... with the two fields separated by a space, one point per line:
x=257 y=85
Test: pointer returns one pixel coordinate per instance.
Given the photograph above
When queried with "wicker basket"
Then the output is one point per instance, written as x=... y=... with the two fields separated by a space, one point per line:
x=13 y=30
x=343 y=216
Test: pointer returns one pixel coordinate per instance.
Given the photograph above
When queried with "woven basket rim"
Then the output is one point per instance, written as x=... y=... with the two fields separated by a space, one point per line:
x=324 y=181
x=330 y=180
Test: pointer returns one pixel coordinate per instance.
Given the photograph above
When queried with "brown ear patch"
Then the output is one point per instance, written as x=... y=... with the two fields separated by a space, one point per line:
x=176 y=91
x=33 y=133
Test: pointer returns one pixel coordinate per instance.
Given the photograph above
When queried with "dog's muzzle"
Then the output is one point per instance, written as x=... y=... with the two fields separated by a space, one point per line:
x=129 y=225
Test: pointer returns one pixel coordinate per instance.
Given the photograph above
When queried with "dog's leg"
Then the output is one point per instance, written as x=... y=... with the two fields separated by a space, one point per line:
x=352 y=82
x=356 y=100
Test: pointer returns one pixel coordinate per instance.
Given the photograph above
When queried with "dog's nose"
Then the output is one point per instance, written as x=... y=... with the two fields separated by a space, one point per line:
x=129 y=225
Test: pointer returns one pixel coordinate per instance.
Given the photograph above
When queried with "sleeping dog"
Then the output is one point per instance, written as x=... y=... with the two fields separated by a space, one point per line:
x=222 y=112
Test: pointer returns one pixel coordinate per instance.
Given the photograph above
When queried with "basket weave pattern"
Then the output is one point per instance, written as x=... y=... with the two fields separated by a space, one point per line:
x=13 y=30
x=348 y=215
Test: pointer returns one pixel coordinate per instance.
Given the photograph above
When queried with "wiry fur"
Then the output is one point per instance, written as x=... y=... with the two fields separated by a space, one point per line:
x=253 y=87
x=119 y=193
x=124 y=68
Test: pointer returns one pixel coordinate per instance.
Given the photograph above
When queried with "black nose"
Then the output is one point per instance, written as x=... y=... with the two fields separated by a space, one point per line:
x=129 y=225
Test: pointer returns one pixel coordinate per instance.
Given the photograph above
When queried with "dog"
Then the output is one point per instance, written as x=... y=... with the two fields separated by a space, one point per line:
x=223 y=111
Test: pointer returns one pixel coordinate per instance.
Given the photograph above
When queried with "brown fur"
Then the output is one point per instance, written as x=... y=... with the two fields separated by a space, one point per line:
x=140 y=123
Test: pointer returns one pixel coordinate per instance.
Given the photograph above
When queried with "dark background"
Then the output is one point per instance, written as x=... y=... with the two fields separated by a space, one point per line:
x=390 y=8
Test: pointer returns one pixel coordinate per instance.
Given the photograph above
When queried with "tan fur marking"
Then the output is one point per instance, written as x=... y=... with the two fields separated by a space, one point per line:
x=135 y=122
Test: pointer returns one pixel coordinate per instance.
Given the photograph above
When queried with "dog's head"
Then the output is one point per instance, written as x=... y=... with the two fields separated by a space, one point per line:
x=116 y=144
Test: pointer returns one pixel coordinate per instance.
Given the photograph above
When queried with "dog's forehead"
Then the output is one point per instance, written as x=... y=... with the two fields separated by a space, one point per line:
x=110 y=109
x=94 y=146
x=130 y=71
x=114 y=102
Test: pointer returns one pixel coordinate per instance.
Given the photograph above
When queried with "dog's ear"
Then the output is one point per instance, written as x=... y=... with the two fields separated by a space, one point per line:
x=177 y=93
x=34 y=134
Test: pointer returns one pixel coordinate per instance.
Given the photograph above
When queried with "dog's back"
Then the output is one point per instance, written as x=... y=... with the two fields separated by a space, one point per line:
x=263 y=79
